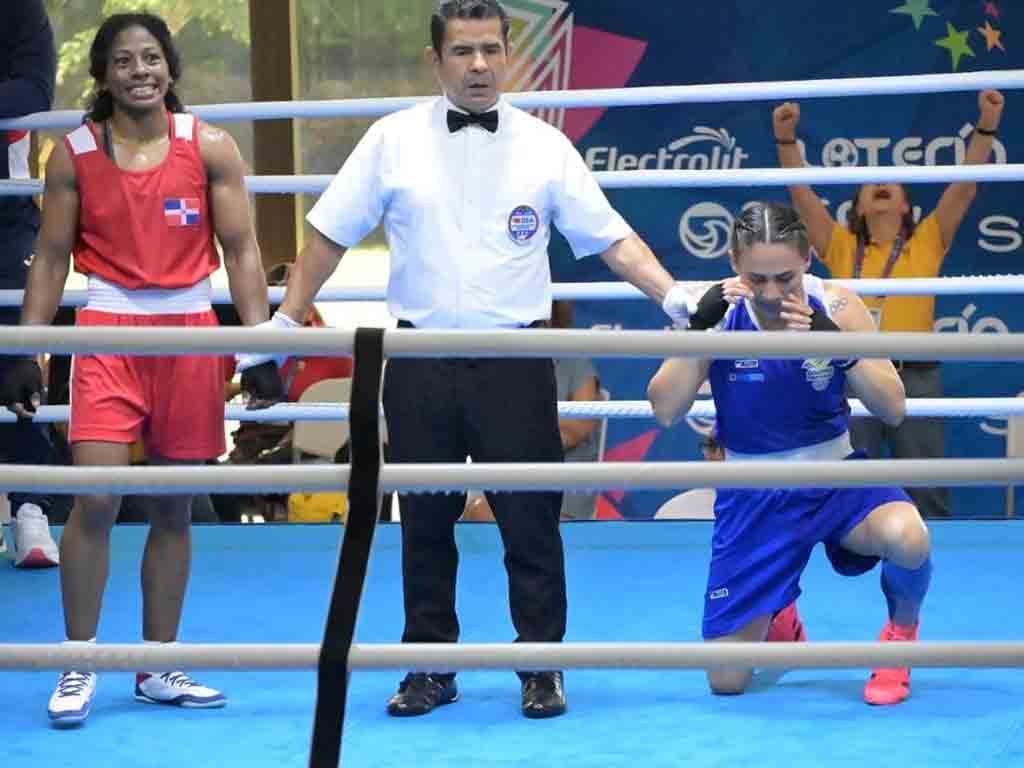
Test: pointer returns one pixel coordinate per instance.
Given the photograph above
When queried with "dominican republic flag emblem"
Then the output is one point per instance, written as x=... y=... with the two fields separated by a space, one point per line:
x=181 y=211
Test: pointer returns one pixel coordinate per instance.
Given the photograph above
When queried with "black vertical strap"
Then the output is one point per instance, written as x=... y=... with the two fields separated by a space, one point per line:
x=363 y=504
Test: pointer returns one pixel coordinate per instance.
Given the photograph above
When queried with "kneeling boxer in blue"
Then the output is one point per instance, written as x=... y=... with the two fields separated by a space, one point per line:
x=794 y=410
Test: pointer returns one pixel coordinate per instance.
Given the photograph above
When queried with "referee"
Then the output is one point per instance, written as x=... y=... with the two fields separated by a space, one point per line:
x=468 y=188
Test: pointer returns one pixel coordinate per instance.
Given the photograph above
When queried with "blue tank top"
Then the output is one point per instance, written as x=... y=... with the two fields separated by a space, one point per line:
x=765 y=406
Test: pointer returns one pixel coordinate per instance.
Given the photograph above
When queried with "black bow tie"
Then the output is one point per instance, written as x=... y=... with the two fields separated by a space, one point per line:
x=459 y=120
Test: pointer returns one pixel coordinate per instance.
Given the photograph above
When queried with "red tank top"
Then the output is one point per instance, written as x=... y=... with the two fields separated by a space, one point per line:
x=144 y=229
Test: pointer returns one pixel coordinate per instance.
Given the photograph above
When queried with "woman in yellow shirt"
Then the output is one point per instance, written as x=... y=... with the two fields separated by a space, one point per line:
x=882 y=241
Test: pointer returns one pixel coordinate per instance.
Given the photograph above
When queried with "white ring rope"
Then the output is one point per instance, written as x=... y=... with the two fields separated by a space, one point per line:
x=733 y=177
x=527 y=476
x=602 y=97
x=30 y=339
x=447 y=657
x=452 y=657
x=948 y=407
x=813 y=176
x=988 y=285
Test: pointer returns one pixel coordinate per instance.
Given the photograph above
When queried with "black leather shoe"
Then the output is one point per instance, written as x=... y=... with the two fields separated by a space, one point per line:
x=543 y=694
x=419 y=693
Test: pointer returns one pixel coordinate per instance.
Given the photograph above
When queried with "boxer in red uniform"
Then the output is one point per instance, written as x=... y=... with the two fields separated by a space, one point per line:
x=137 y=193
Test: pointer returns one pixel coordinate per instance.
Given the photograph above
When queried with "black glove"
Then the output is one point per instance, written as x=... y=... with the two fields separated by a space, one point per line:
x=710 y=309
x=822 y=322
x=22 y=381
x=263 y=383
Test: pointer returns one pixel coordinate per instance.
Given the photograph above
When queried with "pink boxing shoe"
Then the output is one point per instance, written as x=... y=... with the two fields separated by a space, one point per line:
x=786 y=626
x=891 y=686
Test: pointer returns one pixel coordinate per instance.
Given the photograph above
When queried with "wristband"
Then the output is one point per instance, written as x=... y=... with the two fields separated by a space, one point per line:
x=246 y=360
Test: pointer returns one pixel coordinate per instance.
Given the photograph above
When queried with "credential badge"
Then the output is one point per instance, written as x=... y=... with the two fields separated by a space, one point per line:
x=523 y=224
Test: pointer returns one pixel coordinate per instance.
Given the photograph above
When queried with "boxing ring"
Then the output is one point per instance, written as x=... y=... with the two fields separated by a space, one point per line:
x=259 y=594
x=636 y=582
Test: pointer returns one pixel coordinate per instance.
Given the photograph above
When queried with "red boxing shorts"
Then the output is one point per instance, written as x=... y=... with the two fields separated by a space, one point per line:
x=175 y=404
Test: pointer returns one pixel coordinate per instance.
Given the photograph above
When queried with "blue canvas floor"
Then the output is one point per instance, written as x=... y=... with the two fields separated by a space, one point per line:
x=627 y=582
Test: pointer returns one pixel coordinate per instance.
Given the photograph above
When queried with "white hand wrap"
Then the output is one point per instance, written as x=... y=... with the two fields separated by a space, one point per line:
x=246 y=360
x=679 y=305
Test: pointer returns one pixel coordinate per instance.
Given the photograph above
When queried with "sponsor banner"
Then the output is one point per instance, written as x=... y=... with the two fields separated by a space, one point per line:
x=598 y=44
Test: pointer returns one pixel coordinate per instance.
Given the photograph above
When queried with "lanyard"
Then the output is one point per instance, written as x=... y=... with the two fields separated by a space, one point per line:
x=897 y=249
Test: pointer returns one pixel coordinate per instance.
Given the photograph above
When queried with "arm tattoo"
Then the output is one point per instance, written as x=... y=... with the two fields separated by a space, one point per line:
x=836 y=305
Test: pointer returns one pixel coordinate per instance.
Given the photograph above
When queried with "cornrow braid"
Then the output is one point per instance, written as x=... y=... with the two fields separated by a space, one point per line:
x=768 y=223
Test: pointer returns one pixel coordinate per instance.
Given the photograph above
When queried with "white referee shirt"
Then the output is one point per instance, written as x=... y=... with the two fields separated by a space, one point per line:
x=468 y=215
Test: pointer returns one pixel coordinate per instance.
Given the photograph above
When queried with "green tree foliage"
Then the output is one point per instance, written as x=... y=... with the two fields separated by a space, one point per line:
x=212 y=36
x=217 y=32
x=346 y=49
x=358 y=49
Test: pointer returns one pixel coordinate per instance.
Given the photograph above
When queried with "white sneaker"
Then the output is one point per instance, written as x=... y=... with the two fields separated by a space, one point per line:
x=34 y=547
x=71 y=702
x=178 y=689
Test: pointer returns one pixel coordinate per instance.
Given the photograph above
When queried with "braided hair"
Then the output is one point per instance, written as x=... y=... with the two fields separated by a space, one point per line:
x=100 y=105
x=768 y=223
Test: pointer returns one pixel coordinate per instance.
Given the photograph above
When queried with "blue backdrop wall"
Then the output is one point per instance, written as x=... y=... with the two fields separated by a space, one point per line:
x=611 y=43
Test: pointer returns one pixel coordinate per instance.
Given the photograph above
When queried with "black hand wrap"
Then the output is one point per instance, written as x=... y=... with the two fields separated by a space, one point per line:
x=22 y=381
x=710 y=309
x=822 y=322
x=263 y=382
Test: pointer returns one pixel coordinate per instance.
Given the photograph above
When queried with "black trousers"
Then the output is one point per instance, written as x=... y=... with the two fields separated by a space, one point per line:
x=495 y=410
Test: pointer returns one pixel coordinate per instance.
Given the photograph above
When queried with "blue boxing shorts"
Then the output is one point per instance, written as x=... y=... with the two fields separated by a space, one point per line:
x=762 y=542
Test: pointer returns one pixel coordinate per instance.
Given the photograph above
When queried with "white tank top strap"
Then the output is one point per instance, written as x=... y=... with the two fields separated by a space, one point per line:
x=82 y=140
x=184 y=125
x=104 y=296
x=836 y=449
x=815 y=286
